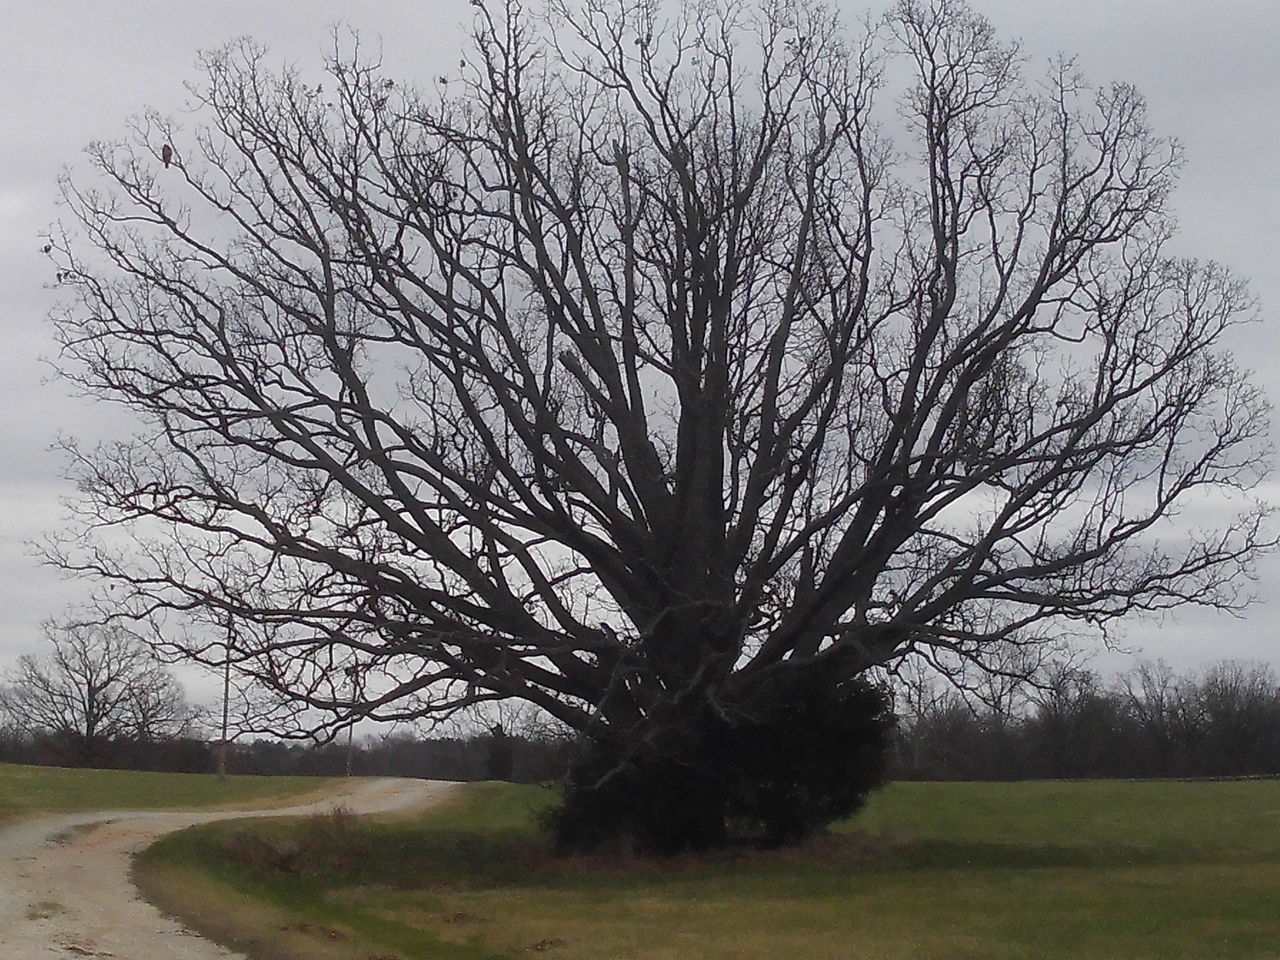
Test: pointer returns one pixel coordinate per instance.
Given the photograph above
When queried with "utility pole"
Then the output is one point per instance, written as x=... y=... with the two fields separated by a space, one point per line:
x=353 y=674
x=226 y=705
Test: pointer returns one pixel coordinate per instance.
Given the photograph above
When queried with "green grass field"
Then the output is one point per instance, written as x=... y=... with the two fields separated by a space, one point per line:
x=30 y=791
x=977 y=870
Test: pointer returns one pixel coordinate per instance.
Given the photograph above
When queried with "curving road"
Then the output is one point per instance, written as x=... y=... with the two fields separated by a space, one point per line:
x=64 y=880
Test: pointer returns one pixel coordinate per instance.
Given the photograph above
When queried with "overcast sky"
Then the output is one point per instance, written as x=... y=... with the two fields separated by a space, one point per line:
x=72 y=71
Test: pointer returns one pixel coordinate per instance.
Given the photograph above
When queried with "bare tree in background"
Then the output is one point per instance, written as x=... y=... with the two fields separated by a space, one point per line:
x=98 y=686
x=659 y=369
x=1158 y=700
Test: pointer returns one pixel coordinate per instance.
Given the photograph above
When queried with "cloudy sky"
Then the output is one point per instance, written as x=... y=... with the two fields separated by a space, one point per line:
x=72 y=71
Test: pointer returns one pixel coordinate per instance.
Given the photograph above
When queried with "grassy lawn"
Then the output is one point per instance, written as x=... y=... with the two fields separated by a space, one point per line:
x=27 y=791
x=1098 y=870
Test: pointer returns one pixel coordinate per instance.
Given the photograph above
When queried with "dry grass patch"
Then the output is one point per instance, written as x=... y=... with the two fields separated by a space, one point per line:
x=930 y=872
x=238 y=920
x=27 y=791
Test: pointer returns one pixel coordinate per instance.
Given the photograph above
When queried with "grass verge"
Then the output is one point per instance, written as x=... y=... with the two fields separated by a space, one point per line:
x=29 y=791
x=1052 y=870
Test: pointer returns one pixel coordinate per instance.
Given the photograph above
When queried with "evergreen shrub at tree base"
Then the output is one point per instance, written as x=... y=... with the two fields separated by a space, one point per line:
x=803 y=754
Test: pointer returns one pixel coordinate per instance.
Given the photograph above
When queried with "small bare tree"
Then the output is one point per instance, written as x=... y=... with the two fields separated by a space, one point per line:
x=1157 y=698
x=96 y=687
x=653 y=371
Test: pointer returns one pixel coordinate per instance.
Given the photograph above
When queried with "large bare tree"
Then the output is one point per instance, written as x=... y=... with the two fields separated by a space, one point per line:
x=653 y=366
x=97 y=687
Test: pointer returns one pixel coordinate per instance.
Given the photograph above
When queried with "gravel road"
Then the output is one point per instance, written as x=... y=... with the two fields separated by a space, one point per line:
x=64 y=880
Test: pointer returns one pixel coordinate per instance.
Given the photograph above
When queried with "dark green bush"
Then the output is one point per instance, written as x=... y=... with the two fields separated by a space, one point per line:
x=802 y=754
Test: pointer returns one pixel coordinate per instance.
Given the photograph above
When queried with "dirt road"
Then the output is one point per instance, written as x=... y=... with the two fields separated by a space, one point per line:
x=64 y=880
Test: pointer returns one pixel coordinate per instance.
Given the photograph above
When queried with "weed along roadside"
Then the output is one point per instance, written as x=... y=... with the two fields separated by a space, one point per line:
x=963 y=870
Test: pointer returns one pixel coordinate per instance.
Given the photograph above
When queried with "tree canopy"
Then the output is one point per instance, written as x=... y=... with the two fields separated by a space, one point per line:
x=654 y=363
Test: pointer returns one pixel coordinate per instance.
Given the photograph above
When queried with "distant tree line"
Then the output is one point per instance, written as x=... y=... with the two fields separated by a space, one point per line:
x=99 y=698
x=170 y=754
x=1150 y=722
x=519 y=758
